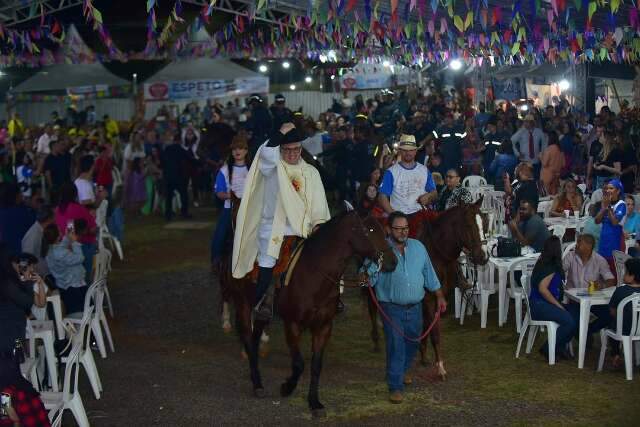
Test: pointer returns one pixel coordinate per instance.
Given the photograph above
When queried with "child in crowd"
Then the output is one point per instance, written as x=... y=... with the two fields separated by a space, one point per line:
x=631 y=286
x=229 y=183
x=136 y=193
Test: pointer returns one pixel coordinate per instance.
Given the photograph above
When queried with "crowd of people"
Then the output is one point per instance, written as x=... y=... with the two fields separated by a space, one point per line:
x=405 y=153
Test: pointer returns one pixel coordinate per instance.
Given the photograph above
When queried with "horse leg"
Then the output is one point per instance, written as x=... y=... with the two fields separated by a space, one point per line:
x=373 y=315
x=435 y=340
x=320 y=338
x=426 y=319
x=248 y=335
x=293 y=335
x=226 y=317
x=264 y=344
x=256 y=380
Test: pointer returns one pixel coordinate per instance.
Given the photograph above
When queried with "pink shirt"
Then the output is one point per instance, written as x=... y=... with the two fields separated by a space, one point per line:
x=76 y=211
x=579 y=275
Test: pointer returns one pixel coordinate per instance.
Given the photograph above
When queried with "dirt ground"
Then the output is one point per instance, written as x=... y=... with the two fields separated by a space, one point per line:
x=174 y=366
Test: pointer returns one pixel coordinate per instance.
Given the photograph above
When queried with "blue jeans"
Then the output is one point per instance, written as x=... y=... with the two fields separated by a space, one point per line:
x=88 y=250
x=401 y=352
x=220 y=234
x=542 y=310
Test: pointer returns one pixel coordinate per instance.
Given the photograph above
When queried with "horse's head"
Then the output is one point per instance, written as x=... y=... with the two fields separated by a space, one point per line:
x=367 y=239
x=472 y=233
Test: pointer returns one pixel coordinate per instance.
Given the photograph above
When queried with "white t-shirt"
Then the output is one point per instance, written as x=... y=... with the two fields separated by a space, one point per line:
x=85 y=190
x=24 y=182
x=237 y=186
x=43 y=144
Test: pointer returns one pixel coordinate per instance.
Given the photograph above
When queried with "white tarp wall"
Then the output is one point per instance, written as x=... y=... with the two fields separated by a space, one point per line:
x=36 y=113
x=313 y=103
x=605 y=88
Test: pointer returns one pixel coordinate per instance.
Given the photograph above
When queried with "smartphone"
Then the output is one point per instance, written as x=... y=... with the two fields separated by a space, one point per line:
x=5 y=404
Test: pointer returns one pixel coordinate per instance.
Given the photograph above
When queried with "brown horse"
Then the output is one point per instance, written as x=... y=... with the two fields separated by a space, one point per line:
x=445 y=237
x=310 y=300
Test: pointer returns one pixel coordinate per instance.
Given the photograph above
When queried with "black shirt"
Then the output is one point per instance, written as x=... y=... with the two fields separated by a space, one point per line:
x=618 y=295
x=174 y=162
x=524 y=190
x=16 y=300
x=60 y=168
x=629 y=158
x=615 y=155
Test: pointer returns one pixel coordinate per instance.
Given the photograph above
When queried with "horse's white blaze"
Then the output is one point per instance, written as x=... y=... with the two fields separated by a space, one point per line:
x=481 y=231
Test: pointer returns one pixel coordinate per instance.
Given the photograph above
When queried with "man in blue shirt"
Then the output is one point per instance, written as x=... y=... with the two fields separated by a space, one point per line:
x=400 y=294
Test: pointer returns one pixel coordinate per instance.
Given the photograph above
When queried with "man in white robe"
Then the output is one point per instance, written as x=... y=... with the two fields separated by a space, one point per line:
x=283 y=196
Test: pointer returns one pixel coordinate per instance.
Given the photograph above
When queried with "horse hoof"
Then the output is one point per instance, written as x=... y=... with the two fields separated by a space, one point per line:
x=318 y=413
x=376 y=349
x=264 y=350
x=243 y=355
x=286 y=390
x=227 y=329
x=259 y=393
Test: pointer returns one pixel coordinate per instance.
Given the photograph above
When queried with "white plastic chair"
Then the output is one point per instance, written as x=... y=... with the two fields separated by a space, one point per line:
x=627 y=340
x=533 y=325
x=582 y=188
x=69 y=398
x=103 y=230
x=516 y=292
x=88 y=316
x=584 y=210
x=620 y=258
x=544 y=207
x=29 y=371
x=478 y=295
x=558 y=230
x=102 y=269
x=570 y=247
x=473 y=181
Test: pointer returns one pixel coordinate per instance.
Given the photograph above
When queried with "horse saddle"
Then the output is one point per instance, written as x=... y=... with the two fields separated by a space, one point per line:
x=289 y=251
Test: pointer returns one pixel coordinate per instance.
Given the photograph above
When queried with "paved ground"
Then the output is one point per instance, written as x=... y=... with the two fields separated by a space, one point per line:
x=174 y=366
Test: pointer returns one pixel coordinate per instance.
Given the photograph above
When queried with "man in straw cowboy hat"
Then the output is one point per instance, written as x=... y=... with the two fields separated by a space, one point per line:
x=529 y=142
x=407 y=186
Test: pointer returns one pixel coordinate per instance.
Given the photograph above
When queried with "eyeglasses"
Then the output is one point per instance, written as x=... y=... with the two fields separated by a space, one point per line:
x=291 y=150
x=401 y=228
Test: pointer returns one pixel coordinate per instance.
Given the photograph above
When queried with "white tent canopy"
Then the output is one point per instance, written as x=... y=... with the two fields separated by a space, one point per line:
x=63 y=76
x=202 y=69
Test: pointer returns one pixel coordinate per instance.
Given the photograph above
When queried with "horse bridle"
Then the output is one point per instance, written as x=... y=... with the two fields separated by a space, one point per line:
x=366 y=232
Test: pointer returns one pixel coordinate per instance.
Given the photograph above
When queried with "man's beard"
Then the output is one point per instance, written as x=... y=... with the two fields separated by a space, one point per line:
x=400 y=241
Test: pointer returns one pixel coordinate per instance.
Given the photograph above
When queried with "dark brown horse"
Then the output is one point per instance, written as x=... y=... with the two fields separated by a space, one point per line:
x=310 y=300
x=445 y=237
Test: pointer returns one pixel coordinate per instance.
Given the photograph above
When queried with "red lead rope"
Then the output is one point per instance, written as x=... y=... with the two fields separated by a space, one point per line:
x=396 y=327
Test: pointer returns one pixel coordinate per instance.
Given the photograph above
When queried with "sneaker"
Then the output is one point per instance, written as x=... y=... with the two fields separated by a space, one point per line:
x=395 y=397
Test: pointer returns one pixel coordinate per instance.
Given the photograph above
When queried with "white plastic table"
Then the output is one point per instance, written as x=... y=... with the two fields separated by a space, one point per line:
x=503 y=265
x=586 y=301
x=570 y=222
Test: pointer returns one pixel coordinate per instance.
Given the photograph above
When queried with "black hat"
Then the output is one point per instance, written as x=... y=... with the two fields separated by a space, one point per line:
x=293 y=136
x=279 y=98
